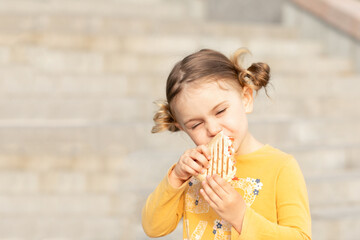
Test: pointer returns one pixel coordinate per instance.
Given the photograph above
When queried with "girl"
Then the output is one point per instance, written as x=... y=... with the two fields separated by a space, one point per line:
x=208 y=93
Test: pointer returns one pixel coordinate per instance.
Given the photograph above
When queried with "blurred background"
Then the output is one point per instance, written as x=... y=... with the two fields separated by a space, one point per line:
x=78 y=79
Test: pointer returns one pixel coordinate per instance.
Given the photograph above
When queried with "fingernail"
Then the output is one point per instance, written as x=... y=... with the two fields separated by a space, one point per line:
x=203 y=171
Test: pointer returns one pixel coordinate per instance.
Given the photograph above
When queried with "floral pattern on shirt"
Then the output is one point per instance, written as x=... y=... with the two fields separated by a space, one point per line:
x=195 y=203
x=250 y=186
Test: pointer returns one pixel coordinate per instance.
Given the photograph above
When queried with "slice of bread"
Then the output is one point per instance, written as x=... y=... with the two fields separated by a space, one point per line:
x=222 y=160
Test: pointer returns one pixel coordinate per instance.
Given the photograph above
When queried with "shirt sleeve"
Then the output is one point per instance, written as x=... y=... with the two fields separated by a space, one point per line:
x=163 y=208
x=293 y=214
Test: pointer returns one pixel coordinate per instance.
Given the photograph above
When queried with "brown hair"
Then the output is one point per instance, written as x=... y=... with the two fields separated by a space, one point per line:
x=207 y=65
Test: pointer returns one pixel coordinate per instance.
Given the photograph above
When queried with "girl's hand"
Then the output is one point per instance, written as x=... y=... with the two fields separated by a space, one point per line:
x=191 y=163
x=225 y=200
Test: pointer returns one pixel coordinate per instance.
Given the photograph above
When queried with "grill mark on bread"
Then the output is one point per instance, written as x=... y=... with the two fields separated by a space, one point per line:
x=212 y=164
x=227 y=167
x=222 y=156
x=216 y=159
x=221 y=150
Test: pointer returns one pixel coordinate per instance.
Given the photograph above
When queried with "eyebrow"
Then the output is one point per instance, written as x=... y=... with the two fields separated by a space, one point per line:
x=217 y=105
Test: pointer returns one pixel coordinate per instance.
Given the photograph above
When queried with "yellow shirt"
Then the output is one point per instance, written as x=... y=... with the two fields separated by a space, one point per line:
x=272 y=186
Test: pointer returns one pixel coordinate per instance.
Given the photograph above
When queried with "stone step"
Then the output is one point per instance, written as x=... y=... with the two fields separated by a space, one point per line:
x=29 y=28
x=317 y=185
x=183 y=45
x=84 y=62
x=38 y=136
x=308 y=67
x=77 y=147
x=176 y=234
x=76 y=141
x=76 y=179
x=167 y=45
x=164 y=43
x=87 y=96
x=17 y=83
x=260 y=45
x=314 y=86
x=284 y=48
x=103 y=107
x=336 y=222
x=100 y=172
x=82 y=107
x=26 y=82
x=72 y=158
x=5 y=54
x=333 y=187
x=149 y=64
x=322 y=182
x=55 y=152
x=318 y=159
x=77 y=205
x=63 y=227
x=281 y=106
x=307 y=132
x=125 y=9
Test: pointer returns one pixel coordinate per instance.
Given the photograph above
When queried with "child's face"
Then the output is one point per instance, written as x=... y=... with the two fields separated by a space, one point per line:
x=203 y=111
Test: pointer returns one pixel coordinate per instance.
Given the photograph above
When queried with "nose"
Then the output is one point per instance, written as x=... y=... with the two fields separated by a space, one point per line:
x=213 y=128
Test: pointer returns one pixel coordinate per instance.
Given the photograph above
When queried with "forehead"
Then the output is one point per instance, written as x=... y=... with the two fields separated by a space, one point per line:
x=202 y=97
x=195 y=90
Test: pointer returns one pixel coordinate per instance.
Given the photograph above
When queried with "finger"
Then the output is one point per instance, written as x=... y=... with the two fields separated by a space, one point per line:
x=193 y=163
x=208 y=199
x=193 y=167
x=204 y=150
x=223 y=184
x=193 y=171
x=216 y=187
x=190 y=166
x=211 y=193
x=200 y=158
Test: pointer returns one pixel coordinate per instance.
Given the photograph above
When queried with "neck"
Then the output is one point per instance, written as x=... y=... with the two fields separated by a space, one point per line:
x=249 y=145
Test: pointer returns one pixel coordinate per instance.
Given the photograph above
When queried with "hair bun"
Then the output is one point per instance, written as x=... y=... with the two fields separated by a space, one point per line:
x=163 y=119
x=256 y=76
x=259 y=74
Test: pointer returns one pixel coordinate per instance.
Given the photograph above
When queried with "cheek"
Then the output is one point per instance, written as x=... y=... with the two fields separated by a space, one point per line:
x=234 y=122
x=199 y=137
x=238 y=125
x=241 y=125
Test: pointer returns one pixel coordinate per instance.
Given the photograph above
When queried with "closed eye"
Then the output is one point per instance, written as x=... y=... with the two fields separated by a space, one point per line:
x=221 y=111
x=195 y=125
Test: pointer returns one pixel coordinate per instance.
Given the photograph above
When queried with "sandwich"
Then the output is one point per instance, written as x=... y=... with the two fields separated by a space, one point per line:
x=222 y=160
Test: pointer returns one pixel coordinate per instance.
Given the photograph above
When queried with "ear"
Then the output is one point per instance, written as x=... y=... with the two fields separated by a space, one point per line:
x=248 y=99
